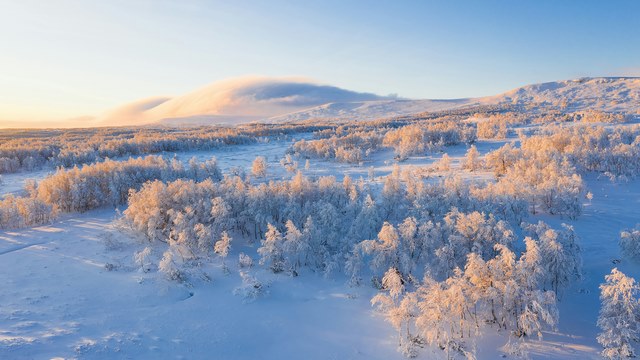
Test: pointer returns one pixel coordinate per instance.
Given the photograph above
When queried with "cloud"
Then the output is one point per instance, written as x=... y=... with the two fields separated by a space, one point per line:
x=301 y=94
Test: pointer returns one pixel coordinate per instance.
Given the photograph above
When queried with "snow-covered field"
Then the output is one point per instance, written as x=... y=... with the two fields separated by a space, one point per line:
x=58 y=300
x=71 y=289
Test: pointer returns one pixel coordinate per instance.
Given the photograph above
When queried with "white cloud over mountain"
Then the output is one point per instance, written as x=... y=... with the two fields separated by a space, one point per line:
x=248 y=99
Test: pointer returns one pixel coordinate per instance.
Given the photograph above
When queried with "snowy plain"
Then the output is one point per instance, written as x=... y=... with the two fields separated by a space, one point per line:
x=71 y=290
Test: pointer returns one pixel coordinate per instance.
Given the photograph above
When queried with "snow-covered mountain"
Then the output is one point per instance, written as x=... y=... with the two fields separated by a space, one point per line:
x=250 y=99
x=233 y=101
x=612 y=94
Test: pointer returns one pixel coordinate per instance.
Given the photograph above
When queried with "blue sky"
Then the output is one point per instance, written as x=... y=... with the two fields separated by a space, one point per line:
x=80 y=57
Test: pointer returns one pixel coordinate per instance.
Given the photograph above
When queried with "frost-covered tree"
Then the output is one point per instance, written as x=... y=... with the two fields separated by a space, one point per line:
x=244 y=260
x=169 y=266
x=538 y=312
x=223 y=246
x=250 y=289
x=142 y=259
x=296 y=245
x=399 y=310
x=443 y=164
x=619 y=315
x=368 y=221
x=259 y=167
x=530 y=265
x=385 y=250
x=271 y=251
x=412 y=244
x=204 y=238
x=630 y=242
x=471 y=159
x=560 y=252
x=220 y=215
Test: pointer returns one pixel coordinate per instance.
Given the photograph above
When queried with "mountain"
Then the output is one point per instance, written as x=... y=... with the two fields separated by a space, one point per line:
x=250 y=99
x=235 y=101
x=612 y=94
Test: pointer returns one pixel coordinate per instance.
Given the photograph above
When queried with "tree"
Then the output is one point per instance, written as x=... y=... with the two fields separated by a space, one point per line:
x=539 y=309
x=367 y=222
x=204 y=237
x=385 y=249
x=170 y=268
x=560 y=254
x=141 y=258
x=259 y=167
x=630 y=243
x=399 y=310
x=222 y=246
x=443 y=164
x=471 y=160
x=295 y=245
x=618 y=315
x=271 y=250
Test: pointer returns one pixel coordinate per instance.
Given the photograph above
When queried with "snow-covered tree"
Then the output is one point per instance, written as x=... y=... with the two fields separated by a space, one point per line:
x=141 y=258
x=222 y=246
x=251 y=288
x=385 y=250
x=443 y=164
x=471 y=159
x=560 y=253
x=399 y=310
x=630 y=243
x=170 y=268
x=619 y=315
x=538 y=312
x=204 y=238
x=259 y=167
x=271 y=251
x=245 y=261
x=296 y=245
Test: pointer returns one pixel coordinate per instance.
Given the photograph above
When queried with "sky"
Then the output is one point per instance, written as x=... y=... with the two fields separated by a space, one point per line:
x=71 y=58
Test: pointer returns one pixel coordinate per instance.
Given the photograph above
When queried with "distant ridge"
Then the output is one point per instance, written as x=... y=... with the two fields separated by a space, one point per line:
x=263 y=99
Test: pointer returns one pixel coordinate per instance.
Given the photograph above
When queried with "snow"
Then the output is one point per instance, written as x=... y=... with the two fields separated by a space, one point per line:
x=60 y=300
x=13 y=183
x=236 y=100
x=280 y=100
x=613 y=94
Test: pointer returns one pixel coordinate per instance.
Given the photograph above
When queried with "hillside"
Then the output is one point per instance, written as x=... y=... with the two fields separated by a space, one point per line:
x=613 y=94
x=233 y=101
x=252 y=99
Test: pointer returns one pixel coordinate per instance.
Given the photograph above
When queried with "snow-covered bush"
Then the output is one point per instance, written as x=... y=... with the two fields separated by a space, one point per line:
x=503 y=291
x=251 y=288
x=34 y=149
x=109 y=182
x=245 y=261
x=142 y=259
x=17 y=212
x=170 y=267
x=630 y=242
x=428 y=136
x=350 y=145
